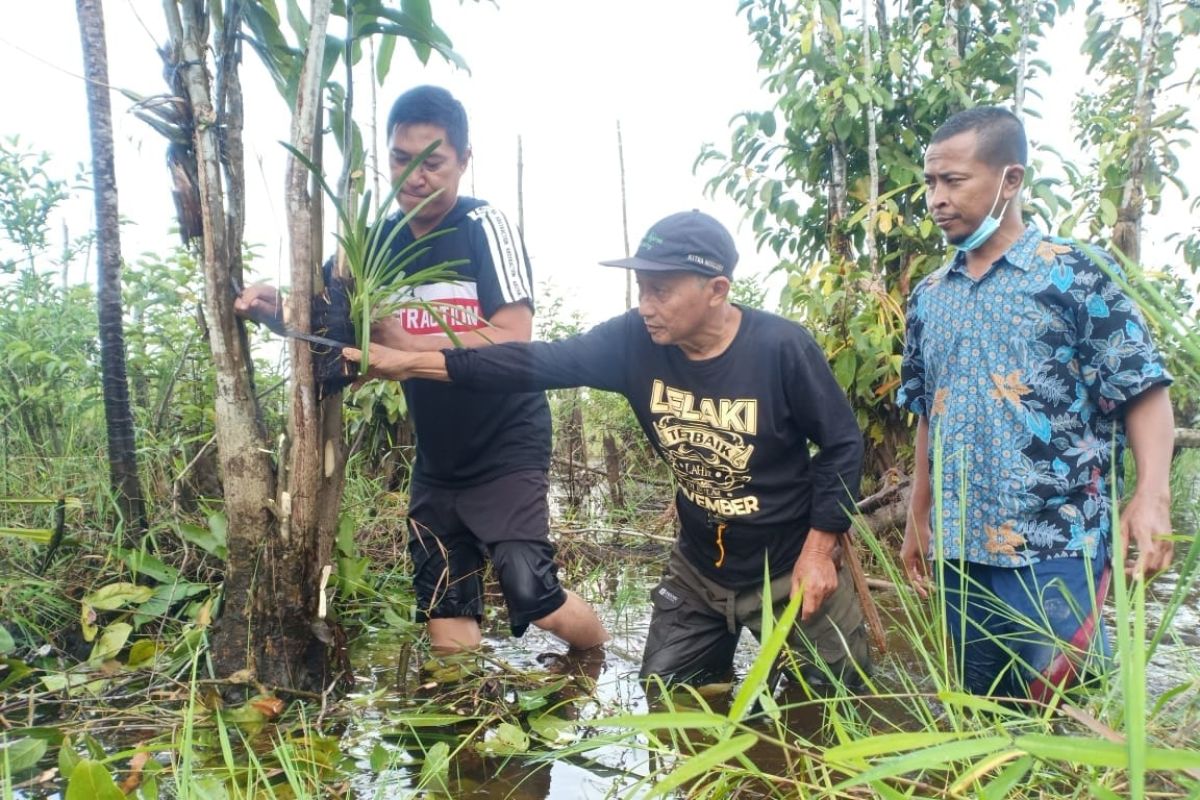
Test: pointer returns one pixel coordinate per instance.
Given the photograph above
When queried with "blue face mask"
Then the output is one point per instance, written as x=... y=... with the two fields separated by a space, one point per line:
x=990 y=223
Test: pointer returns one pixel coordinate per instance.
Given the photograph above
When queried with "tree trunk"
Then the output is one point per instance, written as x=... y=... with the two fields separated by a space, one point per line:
x=624 y=217
x=1022 y=57
x=1127 y=233
x=249 y=635
x=872 y=146
x=310 y=495
x=613 y=471
x=118 y=416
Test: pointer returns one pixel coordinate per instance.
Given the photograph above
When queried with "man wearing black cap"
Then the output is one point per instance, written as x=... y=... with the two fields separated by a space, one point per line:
x=732 y=398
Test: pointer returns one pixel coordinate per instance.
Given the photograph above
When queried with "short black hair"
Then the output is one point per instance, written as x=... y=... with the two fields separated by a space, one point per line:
x=432 y=105
x=1001 y=136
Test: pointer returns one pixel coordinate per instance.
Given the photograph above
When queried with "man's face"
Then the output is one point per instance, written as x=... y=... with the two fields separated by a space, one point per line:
x=674 y=305
x=960 y=190
x=441 y=170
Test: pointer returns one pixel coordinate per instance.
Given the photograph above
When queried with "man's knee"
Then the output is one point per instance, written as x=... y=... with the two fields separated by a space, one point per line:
x=528 y=578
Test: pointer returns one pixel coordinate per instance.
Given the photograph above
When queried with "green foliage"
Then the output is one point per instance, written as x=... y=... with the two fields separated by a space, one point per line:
x=801 y=169
x=1106 y=115
x=280 y=47
x=28 y=195
x=380 y=285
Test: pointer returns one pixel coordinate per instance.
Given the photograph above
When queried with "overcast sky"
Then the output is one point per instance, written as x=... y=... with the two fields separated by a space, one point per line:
x=559 y=74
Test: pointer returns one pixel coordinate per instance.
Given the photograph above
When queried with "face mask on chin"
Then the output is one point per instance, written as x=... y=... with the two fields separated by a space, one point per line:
x=990 y=223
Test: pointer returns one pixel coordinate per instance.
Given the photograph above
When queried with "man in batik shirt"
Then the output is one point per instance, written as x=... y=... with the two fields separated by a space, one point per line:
x=1029 y=370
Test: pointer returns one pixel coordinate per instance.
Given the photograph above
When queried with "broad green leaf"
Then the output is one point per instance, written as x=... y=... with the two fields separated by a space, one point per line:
x=383 y=58
x=884 y=220
x=68 y=759
x=111 y=641
x=142 y=652
x=7 y=645
x=205 y=538
x=90 y=780
x=436 y=769
x=554 y=731
x=381 y=758
x=164 y=597
x=117 y=595
x=507 y=740
x=345 y=536
x=22 y=754
x=142 y=563
x=536 y=698
x=14 y=670
x=1108 y=212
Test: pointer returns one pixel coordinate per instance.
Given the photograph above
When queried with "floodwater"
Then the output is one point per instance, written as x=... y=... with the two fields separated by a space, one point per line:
x=385 y=755
x=611 y=687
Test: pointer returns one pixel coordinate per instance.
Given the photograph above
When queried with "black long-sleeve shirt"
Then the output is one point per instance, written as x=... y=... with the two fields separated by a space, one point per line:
x=735 y=429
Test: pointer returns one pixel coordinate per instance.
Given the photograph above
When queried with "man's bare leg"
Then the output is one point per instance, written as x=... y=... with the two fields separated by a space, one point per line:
x=575 y=623
x=453 y=634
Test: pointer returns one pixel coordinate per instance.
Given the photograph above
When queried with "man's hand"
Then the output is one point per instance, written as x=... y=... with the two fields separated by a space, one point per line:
x=384 y=363
x=1144 y=521
x=913 y=551
x=816 y=571
x=260 y=303
x=399 y=365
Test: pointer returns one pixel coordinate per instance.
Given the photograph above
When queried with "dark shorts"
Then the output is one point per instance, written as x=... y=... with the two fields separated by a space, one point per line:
x=696 y=622
x=1026 y=630
x=453 y=532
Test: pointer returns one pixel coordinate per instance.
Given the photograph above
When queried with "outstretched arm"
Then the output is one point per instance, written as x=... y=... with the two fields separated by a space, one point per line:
x=510 y=323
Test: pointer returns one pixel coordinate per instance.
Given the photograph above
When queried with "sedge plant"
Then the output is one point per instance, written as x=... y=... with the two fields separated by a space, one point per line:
x=379 y=284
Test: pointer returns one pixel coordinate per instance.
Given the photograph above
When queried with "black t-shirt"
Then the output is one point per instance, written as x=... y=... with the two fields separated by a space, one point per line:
x=464 y=438
x=735 y=430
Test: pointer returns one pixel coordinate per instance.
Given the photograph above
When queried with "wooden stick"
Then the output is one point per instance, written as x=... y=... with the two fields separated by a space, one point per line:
x=870 y=611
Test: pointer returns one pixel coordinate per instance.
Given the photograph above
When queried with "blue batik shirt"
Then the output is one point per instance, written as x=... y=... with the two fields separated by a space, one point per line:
x=1023 y=375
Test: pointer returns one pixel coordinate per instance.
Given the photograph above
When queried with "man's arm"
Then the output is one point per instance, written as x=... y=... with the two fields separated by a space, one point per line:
x=400 y=365
x=596 y=358
x=827 y=420
x=1150 y=428
x=510 y=323
x=916 y=529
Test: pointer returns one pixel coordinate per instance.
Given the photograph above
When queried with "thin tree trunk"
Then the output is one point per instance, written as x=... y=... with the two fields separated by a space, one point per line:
x=872 y=145
x=1022 y=57
x=624 y=217
x=1127 y=233
x=839 y=244
x=310 y=496
x=122 y=443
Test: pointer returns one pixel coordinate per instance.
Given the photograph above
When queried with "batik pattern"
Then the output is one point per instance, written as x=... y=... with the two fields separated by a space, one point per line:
x=1023 y=376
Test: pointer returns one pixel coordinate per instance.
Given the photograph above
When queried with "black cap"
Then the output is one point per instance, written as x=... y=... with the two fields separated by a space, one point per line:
x=690 y=240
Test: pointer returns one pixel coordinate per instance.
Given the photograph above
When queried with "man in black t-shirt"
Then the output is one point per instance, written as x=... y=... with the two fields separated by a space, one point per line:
x=732 y=398
x=480 y=478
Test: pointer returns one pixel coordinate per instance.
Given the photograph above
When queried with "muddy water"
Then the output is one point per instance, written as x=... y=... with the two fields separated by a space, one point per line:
x=608 y=772
x=613 y=771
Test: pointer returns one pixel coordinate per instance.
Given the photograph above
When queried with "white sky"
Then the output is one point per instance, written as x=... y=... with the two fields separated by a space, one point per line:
x=559 y=74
